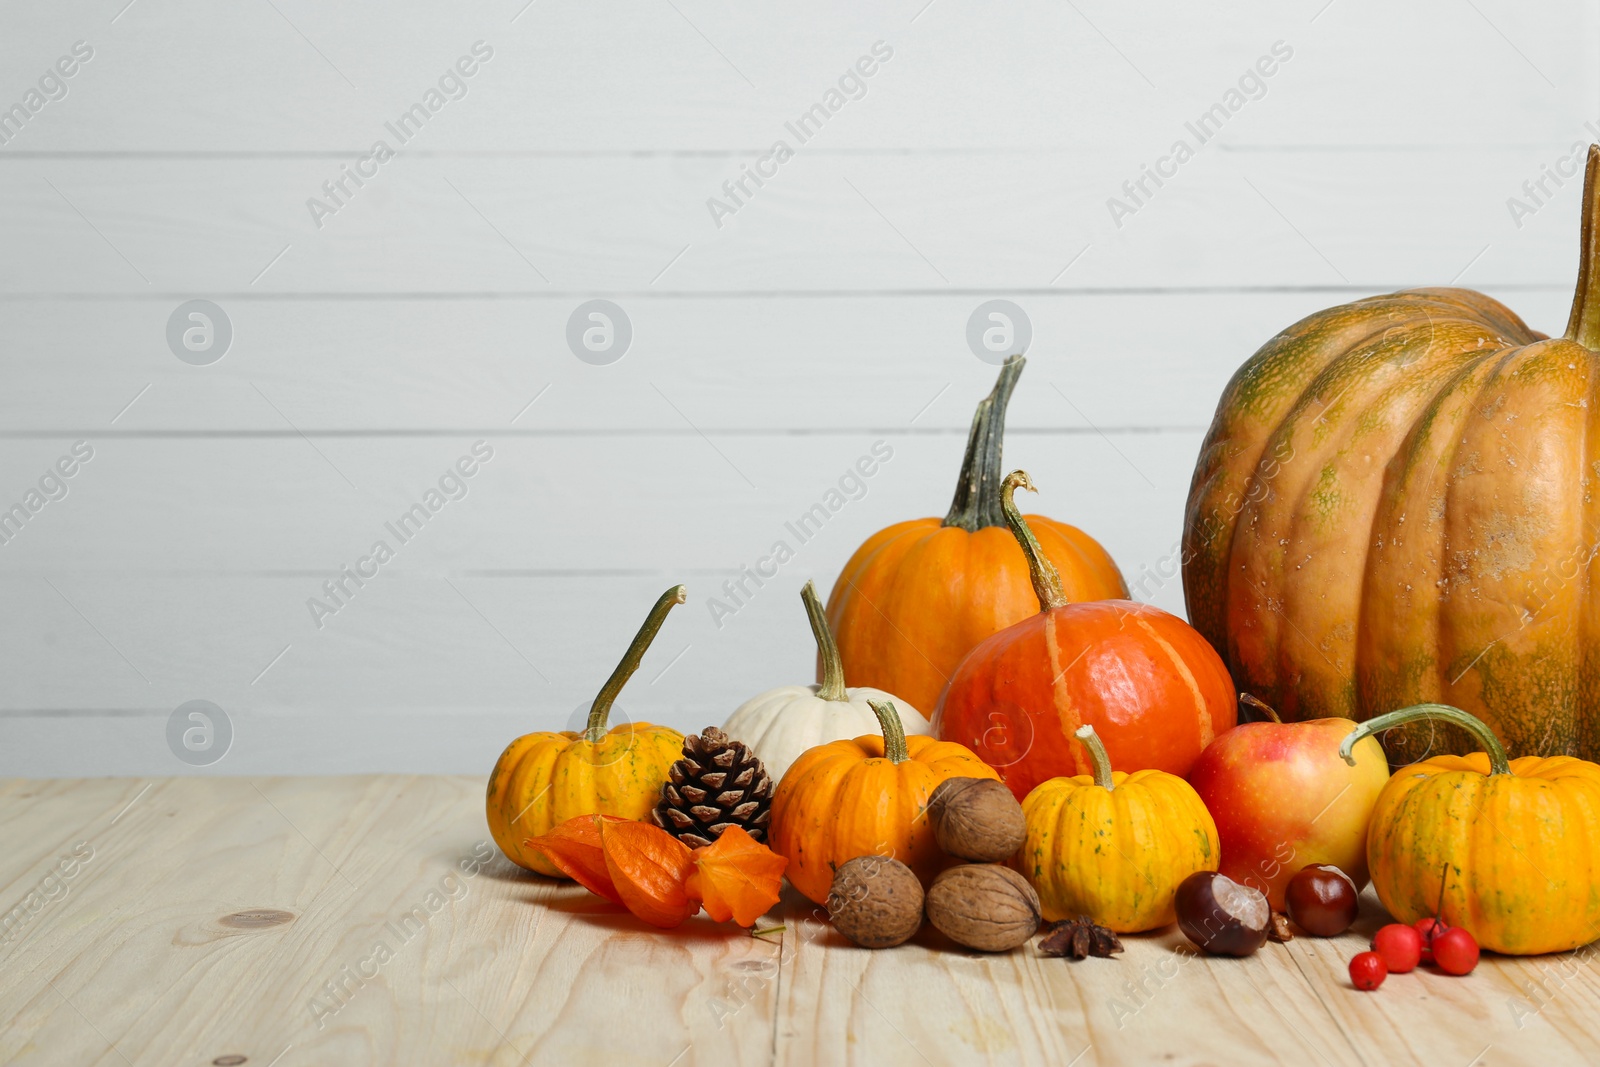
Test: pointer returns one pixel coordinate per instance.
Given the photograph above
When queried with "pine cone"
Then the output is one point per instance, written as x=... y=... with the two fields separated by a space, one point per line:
x=718 y=783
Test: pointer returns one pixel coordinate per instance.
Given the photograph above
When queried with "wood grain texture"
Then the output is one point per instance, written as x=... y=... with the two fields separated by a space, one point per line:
x=212 y=916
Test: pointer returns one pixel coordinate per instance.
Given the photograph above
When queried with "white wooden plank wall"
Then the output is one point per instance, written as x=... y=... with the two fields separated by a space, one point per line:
x=770 y=352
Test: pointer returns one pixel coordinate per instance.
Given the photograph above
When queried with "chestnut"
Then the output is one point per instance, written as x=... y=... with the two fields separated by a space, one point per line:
x=1322 y=900
x=1221 y=916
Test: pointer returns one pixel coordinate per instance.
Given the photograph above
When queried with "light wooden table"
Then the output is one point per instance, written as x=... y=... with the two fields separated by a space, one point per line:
x=200 y=920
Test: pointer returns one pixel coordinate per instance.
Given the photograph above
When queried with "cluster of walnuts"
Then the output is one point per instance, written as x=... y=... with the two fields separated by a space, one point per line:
x=876 y=901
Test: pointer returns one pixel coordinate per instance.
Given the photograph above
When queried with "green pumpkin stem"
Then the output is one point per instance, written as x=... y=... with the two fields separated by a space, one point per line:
x=601 y=708
x=894 y=734
x=977 y=500
x=1498 y=764
x=1251 y=701
x=1097 y=752
x=1046 y=580
x=832 y=687
x=1583 y=325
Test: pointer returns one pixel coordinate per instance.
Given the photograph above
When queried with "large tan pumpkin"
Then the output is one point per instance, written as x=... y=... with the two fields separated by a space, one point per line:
x=1396 y=505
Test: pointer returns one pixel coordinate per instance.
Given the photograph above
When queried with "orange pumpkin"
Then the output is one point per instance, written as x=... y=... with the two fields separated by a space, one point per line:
x=1152 y=688
x=543 y=779
x=1394 y=505
x=917 y=596
x=864 y=797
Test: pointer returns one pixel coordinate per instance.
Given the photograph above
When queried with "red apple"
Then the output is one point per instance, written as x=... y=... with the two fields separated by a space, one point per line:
x=1282 y=798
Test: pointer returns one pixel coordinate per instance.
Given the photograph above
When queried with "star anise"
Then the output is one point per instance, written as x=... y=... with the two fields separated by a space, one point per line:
x=1077 y=939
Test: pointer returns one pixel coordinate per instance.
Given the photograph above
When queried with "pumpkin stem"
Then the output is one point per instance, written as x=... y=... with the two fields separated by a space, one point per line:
x=601 y=708
x=1251 y=701
x=1097 y=752
x=894 y=734
x=832 y=687
x=1046 y=581
x=1498 y=764
x=977 y=502
x=1583 y=325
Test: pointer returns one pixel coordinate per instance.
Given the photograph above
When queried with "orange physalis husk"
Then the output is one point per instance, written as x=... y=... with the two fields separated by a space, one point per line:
x=649 y=868
x=574 y=847
x=736 y=877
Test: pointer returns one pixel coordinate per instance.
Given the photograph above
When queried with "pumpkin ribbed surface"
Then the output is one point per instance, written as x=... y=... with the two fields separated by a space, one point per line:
x=1396 y=505
x=1153 y=689
x=543 y=779
x=1519 y=853
x=1115 y=855
x=847 y=799
x=1380 y=511
x=917 y=597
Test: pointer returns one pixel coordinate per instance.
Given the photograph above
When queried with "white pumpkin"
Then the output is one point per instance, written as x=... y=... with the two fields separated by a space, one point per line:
x=783 y=722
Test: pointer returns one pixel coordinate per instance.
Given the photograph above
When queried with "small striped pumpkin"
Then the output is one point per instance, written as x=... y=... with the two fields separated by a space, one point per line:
x=543 y=779
x=1507 y=849
x=1114 y=846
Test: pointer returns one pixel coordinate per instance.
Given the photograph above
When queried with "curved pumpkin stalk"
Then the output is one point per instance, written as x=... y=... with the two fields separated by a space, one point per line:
x=600 y=710
x=832 y=687
x=977 y=500
x=1046 y=579
x=1583 y=325
x=1498 y=764
x=894 y=734
x=1097 y=752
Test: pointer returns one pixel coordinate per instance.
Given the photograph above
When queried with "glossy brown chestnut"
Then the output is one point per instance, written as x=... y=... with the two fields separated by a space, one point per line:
x=1322 y=900
x=1221 y=916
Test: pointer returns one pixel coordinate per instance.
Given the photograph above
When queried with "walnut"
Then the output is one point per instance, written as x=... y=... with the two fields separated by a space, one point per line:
x=977 y=819
x=983 y=906
x=875 y=901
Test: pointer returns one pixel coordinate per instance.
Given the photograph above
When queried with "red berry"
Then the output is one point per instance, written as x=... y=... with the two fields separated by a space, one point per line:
x=1429 y=929
x=1367 y=970
x=1455 y=951
x=1400 y=946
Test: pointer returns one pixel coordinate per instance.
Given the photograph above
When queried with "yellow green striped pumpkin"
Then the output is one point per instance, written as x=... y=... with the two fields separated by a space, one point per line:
x=543 y=779
x=1114 y=846
x=1509 y=850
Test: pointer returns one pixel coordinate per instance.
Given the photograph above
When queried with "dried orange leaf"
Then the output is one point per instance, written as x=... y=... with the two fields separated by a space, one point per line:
x=736 y=877
x=649 y=867
x=574 y=848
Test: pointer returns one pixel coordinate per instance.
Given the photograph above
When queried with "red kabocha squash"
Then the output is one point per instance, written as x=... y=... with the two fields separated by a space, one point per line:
x=917 y=596
x=1152 y=688
x=1394 y=506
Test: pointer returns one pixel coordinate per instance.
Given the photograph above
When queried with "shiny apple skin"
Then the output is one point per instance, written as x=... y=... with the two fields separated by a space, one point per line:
x=1282 y=798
